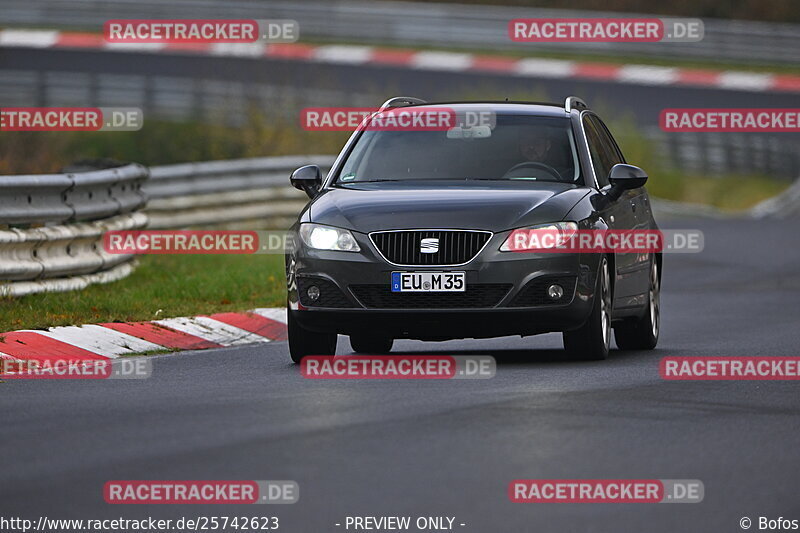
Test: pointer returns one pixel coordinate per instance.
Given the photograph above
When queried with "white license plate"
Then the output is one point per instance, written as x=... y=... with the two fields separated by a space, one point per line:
x=429 y=282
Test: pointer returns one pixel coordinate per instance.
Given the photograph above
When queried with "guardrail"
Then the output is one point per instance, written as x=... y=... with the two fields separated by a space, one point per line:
x=785 y=205
x=54 y=224
x=417 y=23
x=71 y=197
x=727 y=154
x=227 y=192
x=51 y=227
x=63 y=257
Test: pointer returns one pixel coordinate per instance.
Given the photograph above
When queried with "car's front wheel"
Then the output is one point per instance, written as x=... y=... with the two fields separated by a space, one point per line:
x=304 y=342
x=371 y=344
x=591 y=341
x=642 y=333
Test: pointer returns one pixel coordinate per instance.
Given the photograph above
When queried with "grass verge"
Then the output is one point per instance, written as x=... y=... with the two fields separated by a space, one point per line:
x=162 y=286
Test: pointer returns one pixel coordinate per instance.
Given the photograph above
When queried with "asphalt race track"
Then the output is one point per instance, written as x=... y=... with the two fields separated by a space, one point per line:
x=450 y=448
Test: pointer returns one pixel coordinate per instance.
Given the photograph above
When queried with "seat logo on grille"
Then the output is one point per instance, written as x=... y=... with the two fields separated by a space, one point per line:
x=429 y=245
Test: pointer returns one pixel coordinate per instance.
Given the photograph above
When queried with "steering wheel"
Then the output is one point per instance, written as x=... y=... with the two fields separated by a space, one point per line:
x=533 y=164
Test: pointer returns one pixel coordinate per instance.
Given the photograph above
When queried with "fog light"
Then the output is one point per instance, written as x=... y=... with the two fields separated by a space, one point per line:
x=555 y=291
x=313 y=293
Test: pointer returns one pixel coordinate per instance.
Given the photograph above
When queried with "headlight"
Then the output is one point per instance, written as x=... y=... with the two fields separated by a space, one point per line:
x=542 y=236
x=322 y=237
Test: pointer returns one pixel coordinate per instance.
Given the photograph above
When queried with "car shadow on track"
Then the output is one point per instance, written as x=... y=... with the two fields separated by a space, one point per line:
x=537 y=356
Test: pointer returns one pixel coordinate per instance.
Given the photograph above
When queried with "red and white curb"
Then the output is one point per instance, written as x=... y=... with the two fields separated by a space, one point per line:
x=428 y=60
x=111 y=340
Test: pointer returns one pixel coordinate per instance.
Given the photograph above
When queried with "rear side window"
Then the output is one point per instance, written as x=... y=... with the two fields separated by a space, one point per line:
x=604 y=151
x=608 y=140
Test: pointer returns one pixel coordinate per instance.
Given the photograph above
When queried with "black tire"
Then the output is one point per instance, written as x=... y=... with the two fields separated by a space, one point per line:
x=591 y=341
x=642 y=333
x=303 y=342
x=371 y=344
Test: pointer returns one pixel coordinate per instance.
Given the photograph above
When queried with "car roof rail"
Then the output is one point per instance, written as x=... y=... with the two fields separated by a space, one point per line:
x=573 y=102
x=401 y=101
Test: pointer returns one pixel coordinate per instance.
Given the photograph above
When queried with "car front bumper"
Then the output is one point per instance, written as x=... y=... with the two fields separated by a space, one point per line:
x=506 y=294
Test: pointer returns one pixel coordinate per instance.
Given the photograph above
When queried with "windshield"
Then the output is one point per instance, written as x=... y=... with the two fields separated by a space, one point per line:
x=519 y=147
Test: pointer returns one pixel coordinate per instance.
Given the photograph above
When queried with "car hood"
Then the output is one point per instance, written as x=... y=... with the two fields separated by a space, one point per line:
x=500 y=206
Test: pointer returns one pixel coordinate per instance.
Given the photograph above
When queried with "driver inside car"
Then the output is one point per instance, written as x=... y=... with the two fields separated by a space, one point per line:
x=536 y=149
x=534 y=146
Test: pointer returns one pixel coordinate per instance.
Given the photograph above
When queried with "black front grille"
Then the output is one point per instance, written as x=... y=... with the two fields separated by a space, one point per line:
x=535 y=292
x=477 y=295
x=455 y=246
x=329 y=293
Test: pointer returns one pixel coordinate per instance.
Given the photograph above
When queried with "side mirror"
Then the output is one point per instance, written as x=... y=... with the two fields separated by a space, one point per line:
x=308 y=179
x=625 y=177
